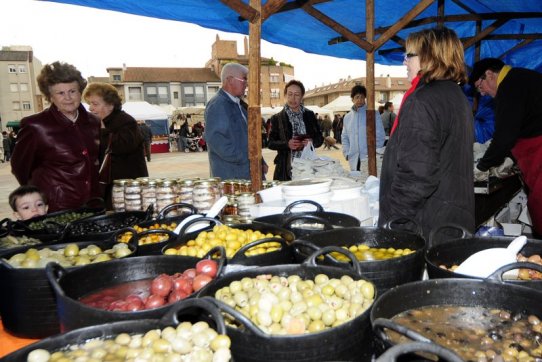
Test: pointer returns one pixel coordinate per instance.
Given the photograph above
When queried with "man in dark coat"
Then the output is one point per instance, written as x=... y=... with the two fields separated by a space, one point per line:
x=518 y=125
x=146 y=132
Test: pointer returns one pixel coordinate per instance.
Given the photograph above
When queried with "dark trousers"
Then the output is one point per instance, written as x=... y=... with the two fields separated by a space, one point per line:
x=148 y=150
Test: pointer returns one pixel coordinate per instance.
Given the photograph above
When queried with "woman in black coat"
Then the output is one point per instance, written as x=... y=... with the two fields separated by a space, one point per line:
x=427 y=171
x=291 y=130
x=120 y=135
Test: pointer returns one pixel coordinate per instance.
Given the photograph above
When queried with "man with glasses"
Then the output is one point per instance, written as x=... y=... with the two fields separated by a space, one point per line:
x=517 y=94
x=226 y=129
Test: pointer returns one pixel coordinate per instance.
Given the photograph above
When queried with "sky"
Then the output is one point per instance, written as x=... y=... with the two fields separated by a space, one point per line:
x=93 y=40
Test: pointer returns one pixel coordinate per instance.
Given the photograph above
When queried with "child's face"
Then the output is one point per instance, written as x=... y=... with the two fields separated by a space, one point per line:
x=29 y=206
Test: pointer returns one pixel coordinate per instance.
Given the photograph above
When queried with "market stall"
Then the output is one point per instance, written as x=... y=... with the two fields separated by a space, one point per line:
x=156 y=118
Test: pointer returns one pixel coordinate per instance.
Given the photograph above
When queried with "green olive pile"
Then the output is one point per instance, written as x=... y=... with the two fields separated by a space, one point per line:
x=71 y=255
x=11 y=241
x=365 y=253
x=187 y=342
x=62 y=219
x=103 y=226
x=291 y=305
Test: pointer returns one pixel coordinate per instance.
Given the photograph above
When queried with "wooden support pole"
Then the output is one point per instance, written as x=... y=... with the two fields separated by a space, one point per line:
x=370 y=70
x=254 y=108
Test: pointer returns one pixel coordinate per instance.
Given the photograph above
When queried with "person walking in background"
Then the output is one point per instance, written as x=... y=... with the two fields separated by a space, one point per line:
x=226 y=128
x=427 y=171
x=120 y=138
x=354 y=133
x=291 y=130
x=388 y=117
x=146 y=132
x=57 y=149
x=518 y=125
x=183 y=137
x=327 y=125
x=6 y=145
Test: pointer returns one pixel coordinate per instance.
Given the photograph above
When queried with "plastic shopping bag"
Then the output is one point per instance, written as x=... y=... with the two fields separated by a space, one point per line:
x=308 y=152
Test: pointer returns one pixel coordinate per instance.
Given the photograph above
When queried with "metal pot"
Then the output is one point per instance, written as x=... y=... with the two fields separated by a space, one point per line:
x=351 y=341
x=455 y=251
x=28 y=304
x=451 y=292
x=309 y=222
x=188 y=310
x=70 y=287
x=385 y=274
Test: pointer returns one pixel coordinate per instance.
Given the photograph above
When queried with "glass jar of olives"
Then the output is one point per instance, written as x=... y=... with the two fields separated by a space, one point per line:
x=165 y=195
x=205 y=194
x=117 y=195
x=244 y=201
x=148 y=195
x=185 y=188
x=132 y=195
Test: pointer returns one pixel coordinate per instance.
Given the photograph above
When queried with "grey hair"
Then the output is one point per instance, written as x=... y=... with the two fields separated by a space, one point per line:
x=230 y=69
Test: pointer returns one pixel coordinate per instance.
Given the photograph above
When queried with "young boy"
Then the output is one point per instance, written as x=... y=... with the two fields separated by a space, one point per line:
x=27 y=202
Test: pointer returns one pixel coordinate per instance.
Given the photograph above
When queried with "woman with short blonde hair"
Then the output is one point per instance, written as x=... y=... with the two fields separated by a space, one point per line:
x=427 y=171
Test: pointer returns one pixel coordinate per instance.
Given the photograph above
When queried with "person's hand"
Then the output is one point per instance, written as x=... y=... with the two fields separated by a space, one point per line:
x=306 y=141
x=294 y=144
x=505 y=169
x=480 y=175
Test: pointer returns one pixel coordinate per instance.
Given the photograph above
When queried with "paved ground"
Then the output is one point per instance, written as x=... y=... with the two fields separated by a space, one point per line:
x=173 y=164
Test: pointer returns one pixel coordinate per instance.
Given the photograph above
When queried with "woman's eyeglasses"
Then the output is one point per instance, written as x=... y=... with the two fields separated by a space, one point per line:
x=409 y=55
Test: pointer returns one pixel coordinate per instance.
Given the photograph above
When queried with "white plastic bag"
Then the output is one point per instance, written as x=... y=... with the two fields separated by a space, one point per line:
x=308 y=152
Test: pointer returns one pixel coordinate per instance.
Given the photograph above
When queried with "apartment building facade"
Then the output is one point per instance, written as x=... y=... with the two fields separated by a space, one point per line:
x=386 y=88
x=19 y=93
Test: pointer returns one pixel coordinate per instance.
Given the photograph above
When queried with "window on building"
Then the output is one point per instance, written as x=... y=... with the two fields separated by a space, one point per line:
x=175 y=95
x=24 y=87
x=12 y=68
x=211 y=91
x=16 y=106
x=400 y=82
x=188 y=90
x=275 y=93
x=13 y=87
x=162 y=91
x=274 y=78
x=26 y=106
x=116 y=77
x=189 y=104
x=151 y=91
x=199 y=90
x=134 y=93
x=22 y=68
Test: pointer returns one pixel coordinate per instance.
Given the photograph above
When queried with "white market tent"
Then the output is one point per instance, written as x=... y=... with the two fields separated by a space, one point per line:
x=321 y=111
x=191 y=110
x=144 y=111
x=339 y=104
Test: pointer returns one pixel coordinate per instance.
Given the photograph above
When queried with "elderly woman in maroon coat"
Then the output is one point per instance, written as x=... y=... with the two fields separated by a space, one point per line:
x=57 y=149
x=120 y=134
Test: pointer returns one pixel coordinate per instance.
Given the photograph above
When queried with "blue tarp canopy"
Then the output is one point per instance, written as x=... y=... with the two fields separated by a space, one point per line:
x=507 y=29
